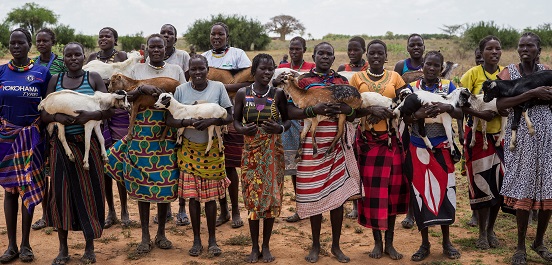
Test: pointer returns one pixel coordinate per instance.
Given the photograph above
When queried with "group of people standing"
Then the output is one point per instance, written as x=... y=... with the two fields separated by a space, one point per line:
x=263 y=139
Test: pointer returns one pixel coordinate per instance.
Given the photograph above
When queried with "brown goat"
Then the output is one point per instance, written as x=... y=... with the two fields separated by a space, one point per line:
x=329 y=94
x=226 y=77
x=121 y=82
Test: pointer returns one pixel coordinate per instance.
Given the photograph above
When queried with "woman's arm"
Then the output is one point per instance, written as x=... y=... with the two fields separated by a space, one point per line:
x=236 y=87
x=541 y=93
x=486 y=115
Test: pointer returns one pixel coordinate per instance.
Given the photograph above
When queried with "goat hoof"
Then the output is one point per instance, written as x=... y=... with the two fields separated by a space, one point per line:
x=485 y=147
x=512 y=147
x=86 y=167
x=105 y=159
x=71 y=157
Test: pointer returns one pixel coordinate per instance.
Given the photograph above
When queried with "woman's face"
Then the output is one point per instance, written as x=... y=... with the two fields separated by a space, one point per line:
x=415 y=47
x=156 y=49
x=264 y=72
x=355 y=51
x=198 y=71
x=168 y=33
x=73 y=57
x=376 y=56
x=18 y=46
x=106 y=40
x=296 y=51
x=432 y=67
x=478 y=57
x=44 y=42
x=492 y=52
x=527 y=49
x=324 y=57
x=218 y=37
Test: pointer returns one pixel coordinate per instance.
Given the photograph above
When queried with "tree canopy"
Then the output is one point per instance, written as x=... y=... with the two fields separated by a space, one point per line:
x=246 y=34
x=284 y=25
x=32 y=17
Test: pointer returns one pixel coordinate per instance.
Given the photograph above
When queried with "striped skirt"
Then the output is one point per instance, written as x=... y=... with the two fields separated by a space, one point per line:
x=325 y=182
x=233 y=147
x=76 y=198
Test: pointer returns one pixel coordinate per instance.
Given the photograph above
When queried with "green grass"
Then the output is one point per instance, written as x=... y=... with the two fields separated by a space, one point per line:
x=239 y=240
x=107 y=239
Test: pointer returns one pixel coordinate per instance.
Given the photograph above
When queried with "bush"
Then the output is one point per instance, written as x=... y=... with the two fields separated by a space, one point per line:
x=64 y=34
x=475 y=32
x=332 y=36
x=4 y=34
x=131 y=42
x=246 y=34
x=89 y=42
x=545 y=33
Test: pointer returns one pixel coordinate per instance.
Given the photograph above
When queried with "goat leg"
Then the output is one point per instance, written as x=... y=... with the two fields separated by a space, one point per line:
x=530 y=126
x=340 y=128
x=101 y=140
x=306 y=127
x=389 y=134
x=513 y=140
x=423 y=134
x=502 y=131
x=315 y=121
x=87 y=136
x=514 y=127
x=210 y=131
x=133 y=114
x=218 y=132
x=484 y=133
x=164 y=134
x=50 y=128
x=63 y=140
x=474 y=128
x=447 y=123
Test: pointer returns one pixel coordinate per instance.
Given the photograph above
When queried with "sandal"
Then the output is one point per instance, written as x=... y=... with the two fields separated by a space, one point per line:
x=294 y=218
x=26 y=254
x=519 y=258
x=493 y=240
x=163 y=243
x=542 y=251
x=214 y=250
x=422 y=253
x=88 y=258
x=39 y=224
x=60 y=261
x=222 y=220
x=144 y=248
x=451 y=252
x=195 y=250
x=237 y=223
x=482 y=243
x=182 y=219
x=9 y=255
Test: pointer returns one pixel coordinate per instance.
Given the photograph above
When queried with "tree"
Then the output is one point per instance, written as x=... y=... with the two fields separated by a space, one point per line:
x=284 y=25
x=244 y=33
x=4 y=35
x=32 y=17
x=64 y=34
x=132 y=42
x=451 y=30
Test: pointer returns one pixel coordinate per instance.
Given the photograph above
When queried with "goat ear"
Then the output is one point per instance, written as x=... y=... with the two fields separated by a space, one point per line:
x=493 y=84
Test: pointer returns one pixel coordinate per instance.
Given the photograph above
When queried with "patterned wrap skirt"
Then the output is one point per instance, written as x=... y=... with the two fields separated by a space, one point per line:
x=262 y=175
x=291 y=142
x=386 y=188
x=145 y=165
x=76 y=198
x=233 y=147
x=485 y=170
x=433 y=188
x=325 y=182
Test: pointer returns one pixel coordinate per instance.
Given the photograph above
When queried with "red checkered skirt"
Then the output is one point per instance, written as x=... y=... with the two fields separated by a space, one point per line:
x=203 y=190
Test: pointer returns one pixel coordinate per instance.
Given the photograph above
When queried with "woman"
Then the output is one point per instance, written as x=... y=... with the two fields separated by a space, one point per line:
x=420 y=162
x=182 y=59
x=338 y=170
x=45 y=39
x=259 y=109
x=223 y=56
x=485 y=168
x=82 y=210
x=118 y=124
x=290 y=138
x=527 y=178
x=144 y=183
x=207 y=183
x=22 y=170
x=355 y=50
x=385 y=185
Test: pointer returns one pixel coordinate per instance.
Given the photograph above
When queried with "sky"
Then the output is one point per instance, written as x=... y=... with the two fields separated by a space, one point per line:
x=350 y=17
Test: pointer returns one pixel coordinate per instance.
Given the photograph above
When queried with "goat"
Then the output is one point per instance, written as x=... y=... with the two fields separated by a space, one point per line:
x=121 y=82
x=107 y=70
x=197 y=111
x=329 y=94
x=226 y=77
x=511 y=88
x=467 y=99
x=370 y=99
x=416 y=100
x=68 y=101
x=412 y=76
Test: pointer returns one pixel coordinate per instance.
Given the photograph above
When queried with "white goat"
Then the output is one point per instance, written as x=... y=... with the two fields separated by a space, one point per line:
x=107 y=70
x=370 y=99
x=68 y=101
x=198 y=111
x=476 y=102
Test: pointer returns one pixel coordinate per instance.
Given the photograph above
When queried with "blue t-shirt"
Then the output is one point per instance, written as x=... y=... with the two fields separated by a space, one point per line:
x=21 y=92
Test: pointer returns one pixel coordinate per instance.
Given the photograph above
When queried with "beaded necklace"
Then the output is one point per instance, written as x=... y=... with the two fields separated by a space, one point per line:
x=257 y=95
x=375 y=75
x=377 y=86
x=361 y=64
x=219 y=53
x=157 y=67
x=435 y=88
x=18 y=68
x=300 y=66
x=410 y=67
x=327 y=78
x=106 y=59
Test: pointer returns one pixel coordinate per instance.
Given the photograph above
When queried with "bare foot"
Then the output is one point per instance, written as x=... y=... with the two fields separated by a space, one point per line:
x=392 y=252
x=377 y=251
x=267 y=256
x=110 y=220
x=223 y=218
x=336 y=251
x=237 y=222
x=313 y=254
x=474 y=220
x=254 y=256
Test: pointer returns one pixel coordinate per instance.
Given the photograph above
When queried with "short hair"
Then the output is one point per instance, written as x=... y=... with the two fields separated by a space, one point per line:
x=301 y=40
x=320 y=44
x=200 y=57
x=359 y=40
x=534 y=36
x=49 y=32
x=175 y=33
x=257 y=60
x=226 y=29
x=156 y=35
x=435 y=53
x=27 y=35
x=113 y=31
x=414 y=35
x=377 y=41
x=73 y=43
x=483 y=42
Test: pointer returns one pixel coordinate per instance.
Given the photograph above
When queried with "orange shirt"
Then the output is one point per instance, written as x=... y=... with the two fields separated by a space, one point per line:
x=386 y=86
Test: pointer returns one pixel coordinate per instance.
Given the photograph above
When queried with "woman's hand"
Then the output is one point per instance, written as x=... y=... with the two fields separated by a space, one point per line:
x=487 y=115
x=271 y=127
x=249 y=129
x=202 y=124
x=150 y=90
x=327 y=109
x=378 y=113
x=64 y=119
x=84 y=116
x=542 y=93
